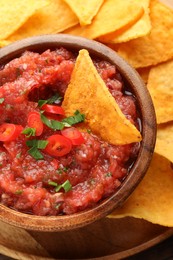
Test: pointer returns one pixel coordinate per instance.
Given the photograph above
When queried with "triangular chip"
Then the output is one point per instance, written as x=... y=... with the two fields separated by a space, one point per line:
x=152 y=200
x=4 y=43
x=13 y=14
x=164 y=141
x=160 y=85
x=54 y=18
x=88 y=93
x=113 y=15
x=141 y=28
x=85 y=10
x=155 y=47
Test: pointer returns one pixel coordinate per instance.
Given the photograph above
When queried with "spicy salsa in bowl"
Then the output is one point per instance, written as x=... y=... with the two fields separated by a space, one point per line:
x=77 y=131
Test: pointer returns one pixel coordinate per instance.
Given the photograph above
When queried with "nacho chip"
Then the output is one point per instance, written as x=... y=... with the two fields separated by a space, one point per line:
x=160 y=85
x=53 y=18
x=88 y=93
x=155 y=47
x=164 y=141
x=153 y=198
x=141 y=28
x=113 y=15
x=144 y=73
x=85 y=10
x=14 y=14
x=4 y=43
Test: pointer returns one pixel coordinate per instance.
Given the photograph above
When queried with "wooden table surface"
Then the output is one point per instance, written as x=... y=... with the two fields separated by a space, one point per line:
x=162 y=251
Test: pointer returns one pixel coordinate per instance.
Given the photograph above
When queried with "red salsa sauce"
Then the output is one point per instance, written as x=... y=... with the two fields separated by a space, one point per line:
x=45 y=170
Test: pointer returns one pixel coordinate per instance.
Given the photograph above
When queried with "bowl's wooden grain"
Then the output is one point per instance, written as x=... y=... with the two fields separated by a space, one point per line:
x=145 y=106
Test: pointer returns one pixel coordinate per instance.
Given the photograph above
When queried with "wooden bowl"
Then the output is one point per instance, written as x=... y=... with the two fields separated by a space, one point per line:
x=148 y=121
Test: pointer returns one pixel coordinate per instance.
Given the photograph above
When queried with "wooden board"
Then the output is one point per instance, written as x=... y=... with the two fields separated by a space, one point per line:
x=104 y=239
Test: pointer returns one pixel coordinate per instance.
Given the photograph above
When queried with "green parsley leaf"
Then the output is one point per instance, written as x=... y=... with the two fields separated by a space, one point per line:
x=46 y=121
x=77 y=118
x=66 y=122
x=29 y=132
x=18 y=155
x=1 y=100
x=57 y=125
x=18 y=192
x=35 y=153
x=52 y=183
x=35 y=145
x=40 y=144
x=51 y=100
x=67 y=186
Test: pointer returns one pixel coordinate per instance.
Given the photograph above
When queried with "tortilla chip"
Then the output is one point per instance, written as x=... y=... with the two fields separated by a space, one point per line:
x=141 y=28
x=160 y=85
x=113 y=15
x=144 y=73
x=14 y=14
x=4 y=43
x=88 y=93
x=85 y=10
x=153 y=198
x=53 y=18
x=155 y=47
x=164 y=141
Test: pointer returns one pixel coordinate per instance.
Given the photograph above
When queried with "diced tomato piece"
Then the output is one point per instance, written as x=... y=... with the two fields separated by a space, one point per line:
x=74 y=135
x=53 y=109
x=9 y=132
x=34 y=121
x=58 y=145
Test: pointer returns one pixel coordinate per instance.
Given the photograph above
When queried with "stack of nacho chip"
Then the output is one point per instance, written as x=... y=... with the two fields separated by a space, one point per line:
x=142 y=33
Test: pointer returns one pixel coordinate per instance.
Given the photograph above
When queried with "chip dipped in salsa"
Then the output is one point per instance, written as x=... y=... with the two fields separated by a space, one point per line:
x=53 y=162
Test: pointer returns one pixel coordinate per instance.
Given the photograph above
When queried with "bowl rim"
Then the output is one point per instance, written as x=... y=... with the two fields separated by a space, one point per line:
x=148 y=120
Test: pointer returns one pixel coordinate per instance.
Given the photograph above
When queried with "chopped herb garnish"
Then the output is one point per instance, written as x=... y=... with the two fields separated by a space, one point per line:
x=108 y=174
x=40 y=144
x=89 y=131
x=51 y=100
x=1 y=100
x=18 y=192
x=35 y=145
x=29 y=132
x=1 y=164
x=35 y=153
x=66 y=185
x=18 y=72
x=66 y=122
x=58 y=205
x=77 y=118
x=61 y=170
x=18 y=155
x=57 y=125
x=52 y=183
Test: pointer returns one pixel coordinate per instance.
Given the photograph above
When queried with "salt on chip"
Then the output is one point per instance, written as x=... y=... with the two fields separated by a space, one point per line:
x=13 y=14
x=85 y=10
x=54 y=18
x=141 y=28
x=113 y=15
x=152 y=200
x=160 y=85
x=158 y=45
x=164 y=141
x=88 y=93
